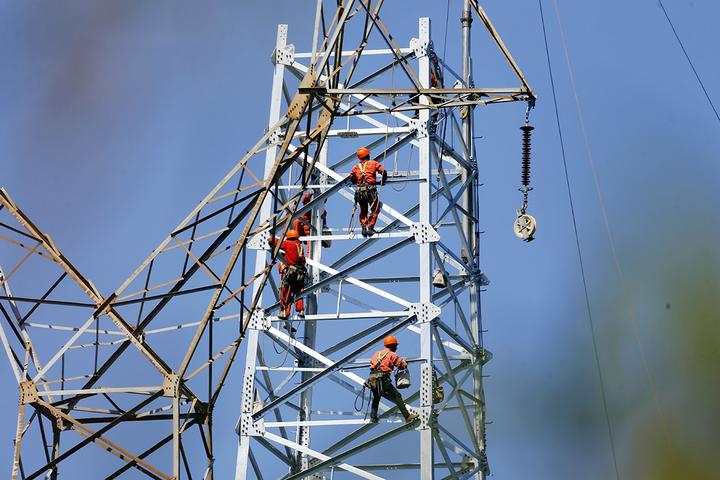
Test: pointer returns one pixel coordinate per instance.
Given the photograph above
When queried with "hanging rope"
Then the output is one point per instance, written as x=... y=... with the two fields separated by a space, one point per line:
x=687 y=56
x=613 y=248
x=591 y=323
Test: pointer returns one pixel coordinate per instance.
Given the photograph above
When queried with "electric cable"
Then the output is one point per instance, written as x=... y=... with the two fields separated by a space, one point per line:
x=613 y=248
x=591 y=323
x=687 y=56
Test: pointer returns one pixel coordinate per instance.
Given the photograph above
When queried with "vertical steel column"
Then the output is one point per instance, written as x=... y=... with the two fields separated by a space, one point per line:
x=176 y=433
x=470 y=229
x=247 y=401
x=311 y=302
x=467 y=124
x=310 y=327
x=426 y=423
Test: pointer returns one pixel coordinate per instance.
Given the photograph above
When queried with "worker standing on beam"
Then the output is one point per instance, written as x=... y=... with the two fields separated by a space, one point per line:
x=382 y=364
x=292 y=274
x=364 y=176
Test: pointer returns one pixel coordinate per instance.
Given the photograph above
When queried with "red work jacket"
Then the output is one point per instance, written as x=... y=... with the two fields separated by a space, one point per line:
x=365 y=172
x=386 y=360
x=294 y=253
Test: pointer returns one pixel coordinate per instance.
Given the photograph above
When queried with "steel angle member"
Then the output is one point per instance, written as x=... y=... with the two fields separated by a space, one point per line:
x=301 y=100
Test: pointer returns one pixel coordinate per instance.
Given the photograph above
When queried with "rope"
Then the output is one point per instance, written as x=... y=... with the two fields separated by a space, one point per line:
x=648 y=374
x=598 y=367
x=687 y=56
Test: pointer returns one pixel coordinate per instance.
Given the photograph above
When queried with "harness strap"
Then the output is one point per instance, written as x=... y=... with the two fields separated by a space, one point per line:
x=380 y=358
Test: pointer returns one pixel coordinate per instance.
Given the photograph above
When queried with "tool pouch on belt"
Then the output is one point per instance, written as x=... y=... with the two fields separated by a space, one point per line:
x=402 y=378
x=366 y=194
x=326 y=243
x=438 y=392
x=374 y=380
x=294 y=275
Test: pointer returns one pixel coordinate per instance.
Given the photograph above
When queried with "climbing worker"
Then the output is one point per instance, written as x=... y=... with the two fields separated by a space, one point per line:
x=364 y=176
x=382 y=364
x=292 y=274
x=304 y=224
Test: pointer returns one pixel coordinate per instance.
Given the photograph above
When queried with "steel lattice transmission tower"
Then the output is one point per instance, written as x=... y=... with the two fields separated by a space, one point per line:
x=139 y=372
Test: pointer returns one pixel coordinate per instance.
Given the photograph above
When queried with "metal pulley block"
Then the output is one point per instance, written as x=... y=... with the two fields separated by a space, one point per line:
x=525 y=226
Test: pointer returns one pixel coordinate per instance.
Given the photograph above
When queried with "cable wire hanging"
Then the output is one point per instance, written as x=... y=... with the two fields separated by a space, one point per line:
x=687 y=56
x=613 y=247
x=591 y=323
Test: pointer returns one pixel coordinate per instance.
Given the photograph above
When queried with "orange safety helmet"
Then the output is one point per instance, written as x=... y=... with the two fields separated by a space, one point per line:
x=292 y=235
x=363 y=153
x=390 y=340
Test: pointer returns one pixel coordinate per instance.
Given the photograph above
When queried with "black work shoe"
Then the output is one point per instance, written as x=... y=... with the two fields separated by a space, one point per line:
x=301 y=314
x=371 y=231
x=412 y=417
x=373 y=418
x=364 y=232
x=282 y=316
x=288 y=326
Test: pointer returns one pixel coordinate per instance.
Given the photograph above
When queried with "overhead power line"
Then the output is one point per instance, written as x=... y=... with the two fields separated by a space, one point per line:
x=687 y=56
x=613 y=247
x=579 y=253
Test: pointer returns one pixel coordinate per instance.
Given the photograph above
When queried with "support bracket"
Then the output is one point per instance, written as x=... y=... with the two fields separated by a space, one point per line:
x=28 y=392
x=259 y=241
x=419 y=127
x=425 y=312
x=424 y=233
x=284 y=55
x=258 y=320
x=420 y=47
x=171 y=385
x=250 y=428
x=276 y=136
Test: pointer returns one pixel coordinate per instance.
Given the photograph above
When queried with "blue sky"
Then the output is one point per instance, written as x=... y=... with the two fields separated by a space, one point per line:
x=118 y=117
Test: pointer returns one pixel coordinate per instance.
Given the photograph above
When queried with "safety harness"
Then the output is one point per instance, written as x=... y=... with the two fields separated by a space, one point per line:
x=295 y=274
x=366 y=192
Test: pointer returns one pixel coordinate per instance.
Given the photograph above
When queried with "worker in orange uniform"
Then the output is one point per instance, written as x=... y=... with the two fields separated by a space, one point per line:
x=382 y=364
x=364 y=176
x=292 y=274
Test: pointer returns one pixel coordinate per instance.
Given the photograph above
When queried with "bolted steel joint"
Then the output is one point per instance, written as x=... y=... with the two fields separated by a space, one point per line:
x=420 y=47
x=284 y=55
x=258 y=320
x=425 y=312
x=259 y=241
x=171 y=385
x=28 y=392
x=419 y=127
x=424 y=233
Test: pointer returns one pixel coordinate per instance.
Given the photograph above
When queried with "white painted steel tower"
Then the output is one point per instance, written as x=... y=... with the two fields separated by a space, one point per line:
x=419 y=278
